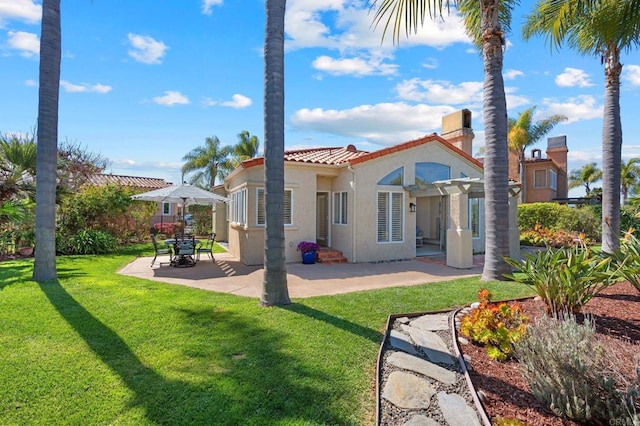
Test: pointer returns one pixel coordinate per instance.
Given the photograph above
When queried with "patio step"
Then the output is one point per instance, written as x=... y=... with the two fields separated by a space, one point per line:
x=330 y=256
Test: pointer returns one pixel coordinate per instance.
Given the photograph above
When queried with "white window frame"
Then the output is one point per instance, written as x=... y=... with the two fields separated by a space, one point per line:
x=167 y=211
x=537 y=173
x=261 y=214
x=390 y=217
x=340 y=208
x=553 y=179
x=239 y=207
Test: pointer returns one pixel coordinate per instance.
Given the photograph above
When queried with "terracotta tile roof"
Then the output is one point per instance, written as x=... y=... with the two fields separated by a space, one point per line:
x=350 y=154
x=337 y=155
x=130 y=181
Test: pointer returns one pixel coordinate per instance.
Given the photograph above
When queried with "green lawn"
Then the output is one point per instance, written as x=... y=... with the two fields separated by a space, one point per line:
x=95 y=347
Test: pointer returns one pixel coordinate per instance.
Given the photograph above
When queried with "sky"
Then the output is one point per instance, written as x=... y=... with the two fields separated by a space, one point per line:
x=147 y=81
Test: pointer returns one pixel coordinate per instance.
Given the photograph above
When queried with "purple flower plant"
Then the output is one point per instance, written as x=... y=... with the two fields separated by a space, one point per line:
x=307 y=246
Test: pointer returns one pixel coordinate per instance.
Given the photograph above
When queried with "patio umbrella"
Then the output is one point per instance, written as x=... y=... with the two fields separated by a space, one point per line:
x=185 y=193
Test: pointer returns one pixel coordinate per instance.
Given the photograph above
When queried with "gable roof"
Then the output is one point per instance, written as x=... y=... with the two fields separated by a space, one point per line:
x=351 y=155
x=129 y=181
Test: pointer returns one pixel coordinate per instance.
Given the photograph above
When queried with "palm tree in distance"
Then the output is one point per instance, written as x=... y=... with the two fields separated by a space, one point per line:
x=274 y=284
x=246 y=148
x=44 y=266
x=596 y=28
x=207 y=163
x=585 y=176
x=523 y=133
x=629 y=178
x=486 y=22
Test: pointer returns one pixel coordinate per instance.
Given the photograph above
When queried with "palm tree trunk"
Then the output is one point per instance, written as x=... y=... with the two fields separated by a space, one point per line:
x=274 y=287
x=523 y=178
x=44 y=268
x=611 y=154
x=496 y=163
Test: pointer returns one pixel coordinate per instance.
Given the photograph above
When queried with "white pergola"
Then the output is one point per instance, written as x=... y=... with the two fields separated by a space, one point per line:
x=459 y=236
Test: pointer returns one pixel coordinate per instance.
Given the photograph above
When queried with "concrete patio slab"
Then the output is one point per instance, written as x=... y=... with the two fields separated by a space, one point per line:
x=228 y=275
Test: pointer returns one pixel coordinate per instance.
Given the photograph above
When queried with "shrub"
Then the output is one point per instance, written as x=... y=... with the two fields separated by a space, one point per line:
x=496 y=326
x=307 y=246
x=571 y=372
x=559 y=217
x=545 y=237
x=88 y=242
x=566 y=279
x=507 y=421
x=168 y=228
x=628 y=259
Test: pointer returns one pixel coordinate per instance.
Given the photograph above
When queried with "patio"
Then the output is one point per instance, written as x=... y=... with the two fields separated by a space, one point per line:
x=228 y=275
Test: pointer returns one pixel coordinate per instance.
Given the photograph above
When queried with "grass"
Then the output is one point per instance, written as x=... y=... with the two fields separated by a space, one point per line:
x=95 y=347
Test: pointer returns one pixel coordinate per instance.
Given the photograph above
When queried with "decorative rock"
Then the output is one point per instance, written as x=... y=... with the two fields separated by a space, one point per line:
x=432 y=322
x=419 y=365
x=456 y=411
x=405 y=390
x=401 y=342
x=431 y=344
x=462 y=340
x=474 y=305
x=482 y=396
x=403 y=320
x=467 y=358
x=421 y=420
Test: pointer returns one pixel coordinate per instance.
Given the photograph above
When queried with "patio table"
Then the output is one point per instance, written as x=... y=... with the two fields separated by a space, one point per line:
x=183 y=255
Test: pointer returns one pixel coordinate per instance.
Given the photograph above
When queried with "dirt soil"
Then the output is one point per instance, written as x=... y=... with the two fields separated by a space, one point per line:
x=616 y=311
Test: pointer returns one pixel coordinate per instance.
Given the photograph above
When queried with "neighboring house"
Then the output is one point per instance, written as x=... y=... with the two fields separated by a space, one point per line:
x=167 y=212
x=546 y=178
x=371 y=205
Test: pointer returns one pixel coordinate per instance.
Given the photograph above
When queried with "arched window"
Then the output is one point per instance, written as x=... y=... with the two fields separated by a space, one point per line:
x=428 y=172
x=396 y=177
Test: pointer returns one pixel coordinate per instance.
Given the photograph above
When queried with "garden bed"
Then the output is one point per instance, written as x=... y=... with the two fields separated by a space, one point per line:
x=616 y=312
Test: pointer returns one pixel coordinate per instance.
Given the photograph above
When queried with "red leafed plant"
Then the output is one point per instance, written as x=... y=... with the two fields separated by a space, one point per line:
x=497 y=326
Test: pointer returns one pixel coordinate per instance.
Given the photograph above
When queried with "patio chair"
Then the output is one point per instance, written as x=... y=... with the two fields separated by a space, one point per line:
x=206 y=247
x=160 y=250
x=185 y=249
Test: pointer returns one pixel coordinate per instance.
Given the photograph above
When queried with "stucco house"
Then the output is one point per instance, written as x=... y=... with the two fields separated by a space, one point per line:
x=371 y=206
x=546 y=178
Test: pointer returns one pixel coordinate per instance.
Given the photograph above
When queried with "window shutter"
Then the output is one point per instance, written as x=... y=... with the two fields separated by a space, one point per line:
x=261 y=214
x=383 y=228
x=344 y=209
x=396 y=216
x=287 y=207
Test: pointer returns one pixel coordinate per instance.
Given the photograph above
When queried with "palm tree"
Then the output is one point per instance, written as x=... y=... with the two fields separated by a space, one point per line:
x=585 y=176
x=274 y=285
x=486 y=22
x=17 y=167
x=246 y=148
x=44 y=266
x=523 y=134
x=208 y=162
x=594 y=28
x=629 y=178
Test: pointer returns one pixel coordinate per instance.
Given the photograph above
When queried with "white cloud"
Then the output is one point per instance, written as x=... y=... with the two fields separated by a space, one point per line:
x=20 y=10
x=347 y=25
x=631 y=74
x=84 y=87
x=513 y=100
x=357 y=67
x=582 y=107
x=207 y=5
x=384 y=123
x=238 y=102
x=572 y=77
x=431 y=63
x=170 y=98
x=27 y=43
x=145 y=49
x=436 y=91
x=30 y=83
x=512 y=74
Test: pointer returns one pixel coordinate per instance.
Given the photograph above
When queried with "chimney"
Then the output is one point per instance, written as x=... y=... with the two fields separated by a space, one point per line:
x=557 y=151
x=456 y=129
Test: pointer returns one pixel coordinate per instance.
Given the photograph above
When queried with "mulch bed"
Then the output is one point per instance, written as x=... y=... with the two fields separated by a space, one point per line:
x=616 y=312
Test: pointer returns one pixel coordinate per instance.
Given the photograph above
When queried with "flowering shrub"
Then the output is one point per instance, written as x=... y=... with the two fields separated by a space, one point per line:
x=307 y=246
x=496 y=325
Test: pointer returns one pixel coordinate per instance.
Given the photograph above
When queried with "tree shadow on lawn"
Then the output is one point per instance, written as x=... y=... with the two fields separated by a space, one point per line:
x=11 y=273
x=243 y=379
x=358 y=330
